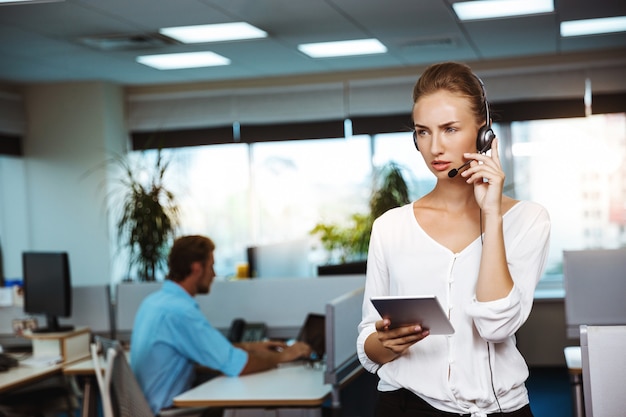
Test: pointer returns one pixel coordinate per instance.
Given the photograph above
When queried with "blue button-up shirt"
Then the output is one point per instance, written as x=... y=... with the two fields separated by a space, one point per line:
x=170 y=335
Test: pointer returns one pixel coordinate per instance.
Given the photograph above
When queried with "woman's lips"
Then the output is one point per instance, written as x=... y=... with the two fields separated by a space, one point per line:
x=440 y=165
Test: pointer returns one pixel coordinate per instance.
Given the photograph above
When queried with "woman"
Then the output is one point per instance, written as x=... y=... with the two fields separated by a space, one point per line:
x=480 y=252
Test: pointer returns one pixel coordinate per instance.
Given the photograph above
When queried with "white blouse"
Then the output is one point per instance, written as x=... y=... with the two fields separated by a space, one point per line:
x=459 y=372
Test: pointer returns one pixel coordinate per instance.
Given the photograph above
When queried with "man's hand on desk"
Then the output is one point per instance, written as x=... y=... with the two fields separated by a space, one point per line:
x=268 y=354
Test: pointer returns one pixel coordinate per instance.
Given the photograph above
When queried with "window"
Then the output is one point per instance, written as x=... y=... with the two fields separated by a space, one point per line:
x=574 y=167
x=272 y=192
x=269 y=192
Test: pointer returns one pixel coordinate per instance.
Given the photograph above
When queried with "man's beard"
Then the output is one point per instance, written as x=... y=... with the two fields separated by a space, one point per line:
x=203 y=289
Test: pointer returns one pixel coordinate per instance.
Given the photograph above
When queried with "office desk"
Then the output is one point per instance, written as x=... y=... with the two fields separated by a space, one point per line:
x=23 y=375
x=573 y=358
x=290 y=385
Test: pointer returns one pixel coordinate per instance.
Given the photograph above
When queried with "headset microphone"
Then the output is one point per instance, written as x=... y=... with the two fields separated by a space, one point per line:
x=452 y=173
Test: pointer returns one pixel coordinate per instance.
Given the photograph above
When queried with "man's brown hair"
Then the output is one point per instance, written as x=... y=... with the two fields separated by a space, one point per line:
x=185 y=251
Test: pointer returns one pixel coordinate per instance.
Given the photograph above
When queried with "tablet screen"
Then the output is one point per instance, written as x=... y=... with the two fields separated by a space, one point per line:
x=423 y=310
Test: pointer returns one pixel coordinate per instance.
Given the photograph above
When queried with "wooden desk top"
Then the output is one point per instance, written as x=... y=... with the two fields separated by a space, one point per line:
x=81 y=367
x=23 y=375
x=26 y=374
x=290 y=385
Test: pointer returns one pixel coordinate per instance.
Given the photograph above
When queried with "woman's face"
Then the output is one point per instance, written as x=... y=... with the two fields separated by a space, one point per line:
x=445 y=129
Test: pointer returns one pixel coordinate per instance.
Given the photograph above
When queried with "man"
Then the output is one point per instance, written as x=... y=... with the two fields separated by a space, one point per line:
x=171 y=335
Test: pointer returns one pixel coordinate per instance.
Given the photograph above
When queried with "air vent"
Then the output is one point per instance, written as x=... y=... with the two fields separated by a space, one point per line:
x=127 y=42
x=447 y=41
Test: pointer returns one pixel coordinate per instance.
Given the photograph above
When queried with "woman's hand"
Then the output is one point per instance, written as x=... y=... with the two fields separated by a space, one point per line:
x=486 y=173
x=399 y=339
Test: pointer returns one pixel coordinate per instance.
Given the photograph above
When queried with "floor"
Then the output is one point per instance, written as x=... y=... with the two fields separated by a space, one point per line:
x=550 y=392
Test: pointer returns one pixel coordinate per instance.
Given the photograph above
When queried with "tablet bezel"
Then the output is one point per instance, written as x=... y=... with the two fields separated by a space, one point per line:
x=424 y=310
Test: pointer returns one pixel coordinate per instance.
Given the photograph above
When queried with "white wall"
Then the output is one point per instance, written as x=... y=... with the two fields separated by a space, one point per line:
x=48 y=200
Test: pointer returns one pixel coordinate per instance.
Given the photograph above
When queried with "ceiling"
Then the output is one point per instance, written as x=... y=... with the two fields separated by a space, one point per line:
x=45 y=42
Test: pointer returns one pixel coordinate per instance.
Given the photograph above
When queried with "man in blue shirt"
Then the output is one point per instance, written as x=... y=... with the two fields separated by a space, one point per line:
x=171 y=335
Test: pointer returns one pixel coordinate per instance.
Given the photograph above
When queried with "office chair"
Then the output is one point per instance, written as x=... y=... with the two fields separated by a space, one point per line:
x=120 y=392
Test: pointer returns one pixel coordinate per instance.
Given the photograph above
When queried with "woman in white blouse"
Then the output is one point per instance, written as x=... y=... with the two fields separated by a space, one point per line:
x=480 y=252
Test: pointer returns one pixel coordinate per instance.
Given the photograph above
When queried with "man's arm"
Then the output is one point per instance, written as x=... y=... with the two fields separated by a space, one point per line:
x=267 y=355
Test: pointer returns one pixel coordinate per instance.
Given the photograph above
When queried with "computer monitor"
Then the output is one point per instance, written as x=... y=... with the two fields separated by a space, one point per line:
x=48 y=288
x=289 y=259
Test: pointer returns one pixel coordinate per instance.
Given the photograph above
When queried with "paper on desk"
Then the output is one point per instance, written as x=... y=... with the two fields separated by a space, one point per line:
x=40 y=361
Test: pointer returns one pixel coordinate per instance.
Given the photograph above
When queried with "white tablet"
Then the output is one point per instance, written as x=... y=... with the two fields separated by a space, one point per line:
x=424 y=310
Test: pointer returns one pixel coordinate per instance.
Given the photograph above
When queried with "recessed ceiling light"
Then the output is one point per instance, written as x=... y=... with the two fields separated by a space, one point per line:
x=183 y=60
x=220 y=32
x=492 y=9
x=9 y=2
x=343 y=48
x=593 y=26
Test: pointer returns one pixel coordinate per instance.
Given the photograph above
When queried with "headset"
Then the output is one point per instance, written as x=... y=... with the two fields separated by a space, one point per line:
x=485 y=134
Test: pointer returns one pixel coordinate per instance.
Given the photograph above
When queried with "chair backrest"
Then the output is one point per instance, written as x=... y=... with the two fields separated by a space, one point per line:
x=604 y=370
x=102 y=377
x=127 y=398
x=121 y=394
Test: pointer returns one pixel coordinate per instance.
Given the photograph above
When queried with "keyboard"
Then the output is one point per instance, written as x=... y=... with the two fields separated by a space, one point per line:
x=7 y=362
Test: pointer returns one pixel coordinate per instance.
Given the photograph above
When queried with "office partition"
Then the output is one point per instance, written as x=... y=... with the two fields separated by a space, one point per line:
x=282 y=304
x=604 y=370
x=91 y=307
x=343 y=315
x=128 y=297
x=595 y=284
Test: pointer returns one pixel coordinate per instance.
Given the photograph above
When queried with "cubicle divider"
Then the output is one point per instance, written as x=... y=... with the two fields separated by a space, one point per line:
x=281 y=303
x=343 y=315
x=91 y=307
x=604 y=369
x=127 y=297
x=595 y=284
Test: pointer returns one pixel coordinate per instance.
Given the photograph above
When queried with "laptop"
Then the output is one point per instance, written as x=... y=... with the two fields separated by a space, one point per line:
x=313 y=332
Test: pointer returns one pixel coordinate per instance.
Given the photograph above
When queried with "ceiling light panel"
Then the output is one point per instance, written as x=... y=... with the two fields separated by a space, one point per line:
x=343 y=48
x=8 y=2
x=221 y=32
x=183 y=60
x=593 y=26
x=493 y=9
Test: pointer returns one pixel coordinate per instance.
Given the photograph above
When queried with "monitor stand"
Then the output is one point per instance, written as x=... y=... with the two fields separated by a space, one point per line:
x=53 y=326
x=67 y=346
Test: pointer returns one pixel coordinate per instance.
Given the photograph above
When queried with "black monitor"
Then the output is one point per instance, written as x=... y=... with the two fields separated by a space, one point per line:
x=48 y=288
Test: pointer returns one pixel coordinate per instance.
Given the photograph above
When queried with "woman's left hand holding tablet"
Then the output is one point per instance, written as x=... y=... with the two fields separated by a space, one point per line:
x=399 y=339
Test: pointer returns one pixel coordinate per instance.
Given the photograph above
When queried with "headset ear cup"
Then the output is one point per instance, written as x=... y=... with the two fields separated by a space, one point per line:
x=415 y=140
x=484 y=138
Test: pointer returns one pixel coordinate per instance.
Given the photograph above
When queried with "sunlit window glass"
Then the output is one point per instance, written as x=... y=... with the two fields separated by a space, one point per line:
x=212 y=186
x=575 y=168
x=399 y=148
x=300 y=183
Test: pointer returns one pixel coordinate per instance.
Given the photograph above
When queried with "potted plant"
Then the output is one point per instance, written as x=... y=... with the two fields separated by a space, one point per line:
x=147 y=213
x=350 y=242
